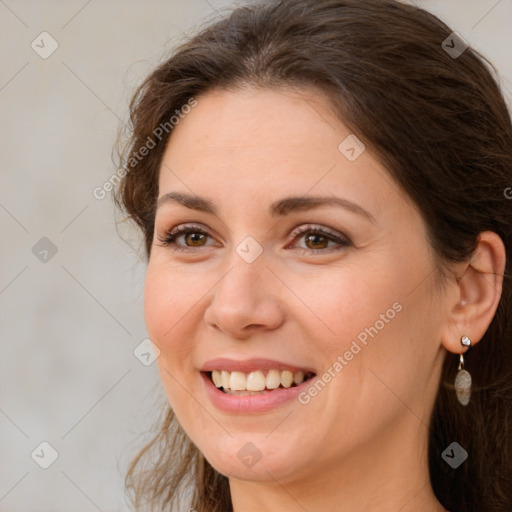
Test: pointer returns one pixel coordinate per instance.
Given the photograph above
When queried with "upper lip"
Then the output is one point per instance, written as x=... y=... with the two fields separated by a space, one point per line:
x=251 y=365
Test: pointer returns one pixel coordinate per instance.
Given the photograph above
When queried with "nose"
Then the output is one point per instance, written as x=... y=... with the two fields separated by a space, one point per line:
x=245 y=300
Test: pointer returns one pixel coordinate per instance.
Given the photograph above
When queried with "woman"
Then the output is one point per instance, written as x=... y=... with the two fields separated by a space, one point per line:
x=322 y=191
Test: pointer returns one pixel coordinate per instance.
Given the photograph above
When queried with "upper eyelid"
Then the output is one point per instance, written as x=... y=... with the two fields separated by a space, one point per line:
x=297 y=230
x=180 y=228
x=304 y=228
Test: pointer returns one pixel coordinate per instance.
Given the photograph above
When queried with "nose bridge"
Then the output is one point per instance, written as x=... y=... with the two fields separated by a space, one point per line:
x=243 y=284
x=245 y=295
x=246 y=266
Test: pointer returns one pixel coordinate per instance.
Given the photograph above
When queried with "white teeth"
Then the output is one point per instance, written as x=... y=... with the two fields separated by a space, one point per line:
x=224 y=379
x=256 y=381
x=298 y=377
x=286 y=378
x=217 y=379
x=273 y=379
x=238 y=381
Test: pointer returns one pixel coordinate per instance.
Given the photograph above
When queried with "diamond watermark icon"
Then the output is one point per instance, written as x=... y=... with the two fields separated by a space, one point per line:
x=146 y=352
x=351 y=147
x=249 y=455
x=249 y=249
x=44 y=249
x=454 y=45
x=44 y=455
x=454 y=455
x=44 y=45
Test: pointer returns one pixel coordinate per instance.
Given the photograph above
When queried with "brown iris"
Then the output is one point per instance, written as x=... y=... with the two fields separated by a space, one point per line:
x=314 y=238
x=195 y=238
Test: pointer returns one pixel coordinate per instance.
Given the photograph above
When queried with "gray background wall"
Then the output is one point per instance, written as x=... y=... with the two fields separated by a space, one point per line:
x=70 y=321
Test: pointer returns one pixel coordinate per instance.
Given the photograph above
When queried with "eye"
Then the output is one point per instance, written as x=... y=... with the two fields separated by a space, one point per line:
x=318 y=239
x=195 y=235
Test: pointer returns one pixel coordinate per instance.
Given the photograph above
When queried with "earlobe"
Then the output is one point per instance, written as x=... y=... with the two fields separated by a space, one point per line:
x=479 y=288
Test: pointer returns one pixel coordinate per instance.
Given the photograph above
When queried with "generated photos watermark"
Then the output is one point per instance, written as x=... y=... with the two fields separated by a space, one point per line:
x=151 y=142
x=343 y=360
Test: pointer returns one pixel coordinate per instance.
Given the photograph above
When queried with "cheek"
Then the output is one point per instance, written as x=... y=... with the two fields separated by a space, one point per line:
x=168 y=297
x=168 y=305
x=156 y=311
x=380 y=324
x=342 y=305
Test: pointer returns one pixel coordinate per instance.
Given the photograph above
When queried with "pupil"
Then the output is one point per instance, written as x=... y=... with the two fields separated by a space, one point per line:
x=196 y=237
x=314 y=239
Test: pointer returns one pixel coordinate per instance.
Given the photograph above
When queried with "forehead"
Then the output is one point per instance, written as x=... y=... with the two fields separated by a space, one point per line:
x=246 y=145
x=260 y=119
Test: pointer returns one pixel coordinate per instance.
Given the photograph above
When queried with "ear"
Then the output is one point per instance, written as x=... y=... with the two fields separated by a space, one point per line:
x=477 y=292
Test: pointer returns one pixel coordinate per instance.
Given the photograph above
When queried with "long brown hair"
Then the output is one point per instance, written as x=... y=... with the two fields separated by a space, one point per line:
x=439 y=124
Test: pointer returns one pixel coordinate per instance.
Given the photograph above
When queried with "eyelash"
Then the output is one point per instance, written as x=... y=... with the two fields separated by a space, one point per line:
x=170 y=237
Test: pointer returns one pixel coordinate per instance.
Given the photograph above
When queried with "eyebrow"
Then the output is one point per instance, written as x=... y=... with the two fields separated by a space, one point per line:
x=279 y=208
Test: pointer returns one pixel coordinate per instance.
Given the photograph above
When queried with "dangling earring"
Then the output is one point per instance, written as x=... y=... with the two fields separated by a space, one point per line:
x=463 y=379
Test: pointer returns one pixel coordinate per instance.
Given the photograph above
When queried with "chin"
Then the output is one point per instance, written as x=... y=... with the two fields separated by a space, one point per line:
x=254 y=458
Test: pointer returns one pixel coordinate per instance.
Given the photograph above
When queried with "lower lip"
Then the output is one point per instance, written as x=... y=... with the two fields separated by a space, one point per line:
x=252 y=403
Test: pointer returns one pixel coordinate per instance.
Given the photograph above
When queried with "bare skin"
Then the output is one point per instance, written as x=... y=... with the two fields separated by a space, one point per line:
x=360 y=444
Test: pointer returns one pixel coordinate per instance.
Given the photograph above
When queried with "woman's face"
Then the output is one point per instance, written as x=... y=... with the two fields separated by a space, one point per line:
x=264 y=293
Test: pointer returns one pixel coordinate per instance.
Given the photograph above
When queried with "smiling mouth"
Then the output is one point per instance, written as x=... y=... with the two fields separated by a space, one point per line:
x=257 y=382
